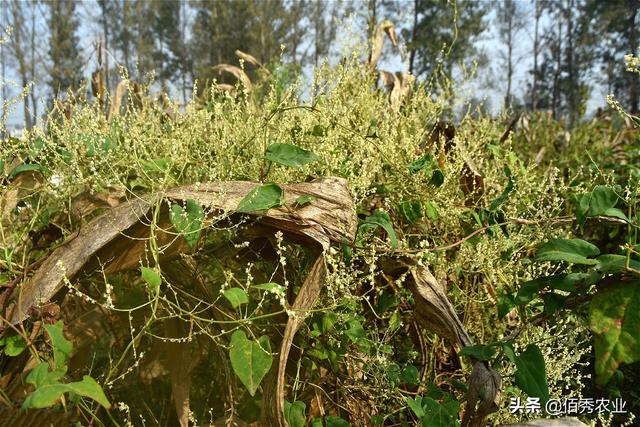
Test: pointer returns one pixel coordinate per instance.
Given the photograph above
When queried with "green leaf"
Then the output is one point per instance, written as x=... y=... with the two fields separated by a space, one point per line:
x=272 y=287
x=47 y=394
x=531 y=374
x=381 y=218
x=294 y=413
x=437 y=178
x=616 y=213
x=432 y=211
x=152 y=278
x=88 y=387
x=262 y=198
x=355 y=331
x=498 y=201
x=416 y=406
x=410 y=375
x=334 y=421
x=187 y=221
x=62 y=347
x=236 y=296
x=395 y=321
x=40 y=375
x=440 y=414
x=303 y=200
x=289 y=155
x=478 y=351
x=573 y=251
x=602 y=199
x=611 y=264
x=14 y=345
x=250 y=360
x=26 y=167
x=156 y=165
x=412 y=210
x=424 y=162
x=614 y=317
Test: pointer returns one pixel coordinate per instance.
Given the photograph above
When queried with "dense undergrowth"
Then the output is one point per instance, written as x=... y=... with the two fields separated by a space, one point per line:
x=481 y=203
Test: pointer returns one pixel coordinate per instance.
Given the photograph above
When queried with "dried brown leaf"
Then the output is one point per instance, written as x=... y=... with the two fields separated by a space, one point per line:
x=273 y=409
x=237 y=72
x=331 y=217
x=433 y=310
x=248 y=58
x=385 y=27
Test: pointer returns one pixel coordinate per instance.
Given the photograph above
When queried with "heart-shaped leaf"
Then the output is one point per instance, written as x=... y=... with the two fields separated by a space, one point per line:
x=531 y=374
x=262 y=198
x=250 y=360
x=236 y=296
x=289 y=155
x=62 y=347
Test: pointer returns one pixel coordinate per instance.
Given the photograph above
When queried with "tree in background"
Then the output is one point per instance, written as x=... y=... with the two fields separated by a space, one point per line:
x=510 y=21
x=617 y=26
x=444 y=33
x=66 y=65
x=22 y=17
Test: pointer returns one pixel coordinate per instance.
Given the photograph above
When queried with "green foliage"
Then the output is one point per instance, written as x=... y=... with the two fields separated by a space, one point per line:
x=12 y=345
x=380 y=219
x=151 y=277
x=531 y=375
x=614 y=317
x=236 y=296
x=575 y=251
x=294 y=413
x=187 y=220
x=289 y=155
x=250 y=360
x=262 y=198
x=48 y=388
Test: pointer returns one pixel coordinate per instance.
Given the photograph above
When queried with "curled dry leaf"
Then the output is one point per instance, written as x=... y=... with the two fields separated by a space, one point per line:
x=433 y=309
x=434 y=312
x=117 y=237
x=237 y=72
x=248 y=58
x=483 y=397
x=377 y=43
x=273 y=409
x=124 y=87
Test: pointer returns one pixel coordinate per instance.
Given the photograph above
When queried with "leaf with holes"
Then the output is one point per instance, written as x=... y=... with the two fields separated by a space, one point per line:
x=262 y=198
x=250 y=360
x=289 y=155
x=614 y=318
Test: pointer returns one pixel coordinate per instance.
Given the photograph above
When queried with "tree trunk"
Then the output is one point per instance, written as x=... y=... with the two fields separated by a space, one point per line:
x=536 y=48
